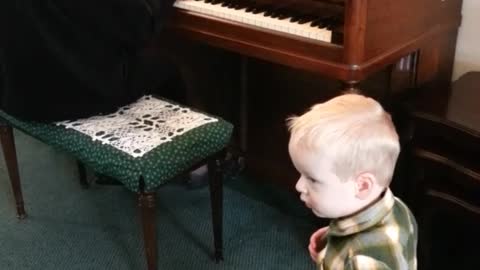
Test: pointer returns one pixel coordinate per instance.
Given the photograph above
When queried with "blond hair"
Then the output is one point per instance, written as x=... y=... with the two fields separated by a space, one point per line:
x=353 y=131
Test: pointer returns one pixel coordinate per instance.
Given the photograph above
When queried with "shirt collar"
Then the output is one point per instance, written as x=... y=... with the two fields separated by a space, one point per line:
x=365 y=219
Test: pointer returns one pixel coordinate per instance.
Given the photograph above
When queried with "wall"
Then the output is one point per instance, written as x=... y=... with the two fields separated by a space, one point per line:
x=468 y=45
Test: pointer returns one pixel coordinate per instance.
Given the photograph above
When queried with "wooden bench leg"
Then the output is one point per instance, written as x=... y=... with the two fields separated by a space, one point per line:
x=10 y=154
x=146 y=204
x=216 y=197
x=82 y=173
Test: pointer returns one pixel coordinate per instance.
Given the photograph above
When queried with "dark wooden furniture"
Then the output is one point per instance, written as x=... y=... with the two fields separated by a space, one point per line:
x=379 y=46
x=445 y=188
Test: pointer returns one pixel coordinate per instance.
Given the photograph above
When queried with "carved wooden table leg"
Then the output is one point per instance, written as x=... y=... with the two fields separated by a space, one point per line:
x=146 y=204
x=82 y=172
x=10 y=154
x=351 y=87
x=216 y=197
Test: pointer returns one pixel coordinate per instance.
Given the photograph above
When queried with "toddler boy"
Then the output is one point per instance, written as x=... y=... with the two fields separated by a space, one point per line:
x=345 y=150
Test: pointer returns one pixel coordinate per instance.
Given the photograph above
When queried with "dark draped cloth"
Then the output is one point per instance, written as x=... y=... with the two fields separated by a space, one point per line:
x=65 y=59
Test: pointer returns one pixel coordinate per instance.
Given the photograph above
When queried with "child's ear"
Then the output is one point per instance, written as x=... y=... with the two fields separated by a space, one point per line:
x=364 y=183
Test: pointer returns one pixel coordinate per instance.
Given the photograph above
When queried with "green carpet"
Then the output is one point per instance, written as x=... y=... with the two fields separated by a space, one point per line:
x=71 y=228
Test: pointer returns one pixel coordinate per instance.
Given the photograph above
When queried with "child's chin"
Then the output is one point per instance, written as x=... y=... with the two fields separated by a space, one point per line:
x=318 y=214
x=324 y=215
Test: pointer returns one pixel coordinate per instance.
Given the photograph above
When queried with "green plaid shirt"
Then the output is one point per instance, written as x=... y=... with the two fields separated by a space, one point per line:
x=383 y=236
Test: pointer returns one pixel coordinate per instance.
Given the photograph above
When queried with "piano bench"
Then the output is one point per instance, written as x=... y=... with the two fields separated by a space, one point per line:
x=143 y=145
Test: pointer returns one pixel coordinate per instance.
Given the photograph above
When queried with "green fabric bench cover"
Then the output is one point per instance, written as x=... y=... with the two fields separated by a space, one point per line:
x=157 y=166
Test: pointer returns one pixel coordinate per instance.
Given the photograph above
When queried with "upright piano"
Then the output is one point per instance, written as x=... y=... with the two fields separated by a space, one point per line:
x=315 y=43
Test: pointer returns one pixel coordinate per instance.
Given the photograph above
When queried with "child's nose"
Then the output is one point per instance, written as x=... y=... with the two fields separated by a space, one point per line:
x=300 y=186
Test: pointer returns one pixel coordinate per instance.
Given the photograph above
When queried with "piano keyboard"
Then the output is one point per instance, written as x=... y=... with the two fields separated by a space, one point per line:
x=310 y=27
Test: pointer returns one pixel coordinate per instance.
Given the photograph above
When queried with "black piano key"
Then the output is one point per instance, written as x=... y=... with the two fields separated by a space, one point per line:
x=229 y=3
x=284 y=13
x=240 y=6
x=283 y=16
x=315 y=22
x=295 y=17
x=278 y=13
x=321 y=22
x=330 y=27
x=332 y=23
x=246 y=3
x=268 y=9
x=275 y=14
x=260 y=9
x=257 y=11
x=250 y=5
x=250 y=9
x=268 y=13
x=236 y=4
x=321 y=26
x=306 y=18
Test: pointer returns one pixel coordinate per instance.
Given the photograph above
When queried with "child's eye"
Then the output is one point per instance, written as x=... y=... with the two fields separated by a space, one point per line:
x=314 y=181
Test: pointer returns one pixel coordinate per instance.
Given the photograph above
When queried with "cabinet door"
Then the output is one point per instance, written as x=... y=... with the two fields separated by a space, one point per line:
x=447 y=208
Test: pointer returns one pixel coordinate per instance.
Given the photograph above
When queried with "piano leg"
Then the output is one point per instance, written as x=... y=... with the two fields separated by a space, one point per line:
x=351 y=86
x=243 y=130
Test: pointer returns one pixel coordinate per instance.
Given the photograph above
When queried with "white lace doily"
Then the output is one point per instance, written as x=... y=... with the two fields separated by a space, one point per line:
x=141 y=126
